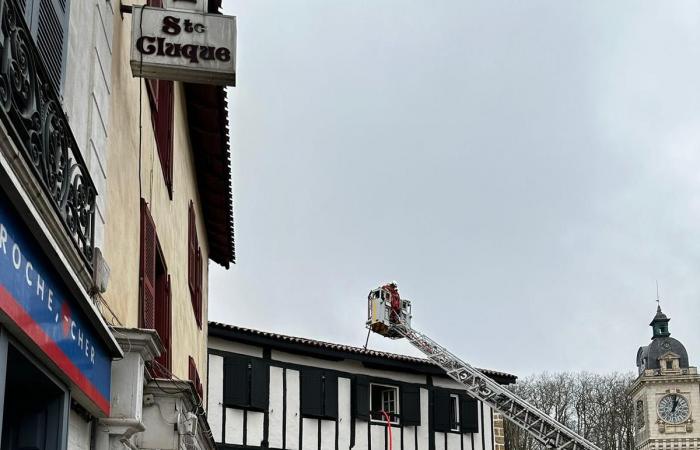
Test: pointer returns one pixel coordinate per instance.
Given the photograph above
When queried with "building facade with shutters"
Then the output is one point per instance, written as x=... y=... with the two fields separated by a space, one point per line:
x=115 y=193
x=280 y=392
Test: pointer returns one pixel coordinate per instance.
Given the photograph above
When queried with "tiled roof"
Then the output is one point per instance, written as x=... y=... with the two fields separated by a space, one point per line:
x=313 y=343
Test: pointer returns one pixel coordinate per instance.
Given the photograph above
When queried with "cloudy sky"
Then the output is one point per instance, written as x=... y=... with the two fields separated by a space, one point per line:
x=525 y=171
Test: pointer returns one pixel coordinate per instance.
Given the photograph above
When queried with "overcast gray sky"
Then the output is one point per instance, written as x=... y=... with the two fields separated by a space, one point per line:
x=524 y=170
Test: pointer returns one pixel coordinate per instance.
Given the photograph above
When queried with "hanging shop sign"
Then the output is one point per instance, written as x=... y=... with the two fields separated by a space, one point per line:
x=33 y=296
x=183 y=46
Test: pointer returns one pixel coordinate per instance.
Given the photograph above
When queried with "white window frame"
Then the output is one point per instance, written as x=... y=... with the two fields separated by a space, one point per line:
x=458 y=419
x=397 y=410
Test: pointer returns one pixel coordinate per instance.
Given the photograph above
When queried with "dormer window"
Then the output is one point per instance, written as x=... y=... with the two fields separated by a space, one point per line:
x=669 y=362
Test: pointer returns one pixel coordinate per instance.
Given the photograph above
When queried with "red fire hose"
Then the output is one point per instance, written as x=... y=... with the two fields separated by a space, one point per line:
x=388 y=424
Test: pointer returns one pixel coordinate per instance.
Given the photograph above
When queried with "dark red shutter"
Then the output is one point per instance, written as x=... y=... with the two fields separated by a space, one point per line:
x=155 y=3
x=164 y=327
x=191 y=250
x=194 y=377
x=161 y=95
x=164 y=130
x=147 y=268
x=198 y=288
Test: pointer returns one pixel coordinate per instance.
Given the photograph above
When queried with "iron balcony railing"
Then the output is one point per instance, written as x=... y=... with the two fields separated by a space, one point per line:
x=31 y=110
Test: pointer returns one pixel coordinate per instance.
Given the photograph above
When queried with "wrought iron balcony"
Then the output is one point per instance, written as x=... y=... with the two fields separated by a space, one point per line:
x=31 y=110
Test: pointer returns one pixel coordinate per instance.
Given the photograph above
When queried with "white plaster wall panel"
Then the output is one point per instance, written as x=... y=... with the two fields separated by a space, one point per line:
x=396 y=438
x=233 y=433
x=447 y=383
x=453 y=441
x=488 y=427
x=78 y=432
x=361 y=435
x=103 y=44
x=256 y=422
x=346 y=366
x=422 y=430
x=106 y=10
x=409 y=438
x=377 y=436
x=293 y=391
x=77 y=74
x=440 y=441
x=310 y=434
x=467 y=441
x=478 y=445
x=344 y=412
x=276 y=415
x=327 y=435
x=215 y=397
x=234 y=347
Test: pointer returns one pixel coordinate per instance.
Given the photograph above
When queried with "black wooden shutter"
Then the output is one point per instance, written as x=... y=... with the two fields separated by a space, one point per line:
x=410 y=405
x=51 y=37
x=330 y=395
x=311 y=392
x=469 y=415
x=259 y=384
x=441 y=410
x=362 y=397
x=236 y=381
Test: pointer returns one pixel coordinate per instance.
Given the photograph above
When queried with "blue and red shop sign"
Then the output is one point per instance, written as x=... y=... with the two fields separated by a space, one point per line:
x=33 y=296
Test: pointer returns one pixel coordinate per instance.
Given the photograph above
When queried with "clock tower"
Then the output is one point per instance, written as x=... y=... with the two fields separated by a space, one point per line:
x=666 y=394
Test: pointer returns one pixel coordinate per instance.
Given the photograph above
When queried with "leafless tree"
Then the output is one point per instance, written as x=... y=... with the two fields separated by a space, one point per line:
x=595 y=406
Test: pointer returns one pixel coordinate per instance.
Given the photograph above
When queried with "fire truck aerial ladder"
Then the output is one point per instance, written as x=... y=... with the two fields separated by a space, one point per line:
x=390 y=316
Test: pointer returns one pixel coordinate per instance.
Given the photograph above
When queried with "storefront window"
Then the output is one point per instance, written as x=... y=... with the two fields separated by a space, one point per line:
x=34 y=407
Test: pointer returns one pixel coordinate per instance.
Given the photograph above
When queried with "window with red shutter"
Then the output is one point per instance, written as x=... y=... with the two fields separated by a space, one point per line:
x=155 y=290
x=198 y=288
x=164 y=326
x=194 y=377
x=161 y=95
x=194 y=271
x=162 y=118
x=191 y=250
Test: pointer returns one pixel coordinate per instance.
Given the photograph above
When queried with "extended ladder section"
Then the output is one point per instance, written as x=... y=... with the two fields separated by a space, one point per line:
x=547 y=431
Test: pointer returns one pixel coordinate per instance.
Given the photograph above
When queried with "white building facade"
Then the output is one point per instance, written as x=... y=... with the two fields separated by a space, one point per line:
x=281 y=392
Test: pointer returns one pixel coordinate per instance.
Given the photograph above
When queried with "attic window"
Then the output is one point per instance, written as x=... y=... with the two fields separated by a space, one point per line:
x=669 y=364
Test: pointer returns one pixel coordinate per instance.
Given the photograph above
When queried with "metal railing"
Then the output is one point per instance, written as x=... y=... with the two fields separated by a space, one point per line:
x=31 y=110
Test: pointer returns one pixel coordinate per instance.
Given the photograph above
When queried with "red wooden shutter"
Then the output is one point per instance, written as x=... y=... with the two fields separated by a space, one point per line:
x=155 y=3
x=147 y=268
x=164 y=130
x=164 y=327
x=198 y=288
x=191 y=250
x=194 y=377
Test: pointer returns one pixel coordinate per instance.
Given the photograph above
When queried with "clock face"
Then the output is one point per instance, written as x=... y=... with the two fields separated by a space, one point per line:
x=674 y=408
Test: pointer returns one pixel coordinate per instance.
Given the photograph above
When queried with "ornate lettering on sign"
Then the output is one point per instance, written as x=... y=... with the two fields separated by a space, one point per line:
x=31 y=111
x=151 y=45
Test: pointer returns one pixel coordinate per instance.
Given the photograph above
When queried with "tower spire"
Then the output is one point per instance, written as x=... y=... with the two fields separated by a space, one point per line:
x=659 y=323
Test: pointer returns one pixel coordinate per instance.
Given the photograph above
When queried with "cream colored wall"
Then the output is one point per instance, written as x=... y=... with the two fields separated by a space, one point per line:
x=170 y=216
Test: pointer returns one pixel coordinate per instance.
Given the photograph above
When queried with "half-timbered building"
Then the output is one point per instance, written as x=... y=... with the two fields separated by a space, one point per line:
x=268 y=390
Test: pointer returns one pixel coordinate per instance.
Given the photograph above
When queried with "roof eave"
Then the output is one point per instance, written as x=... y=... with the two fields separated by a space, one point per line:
x=325 y=350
